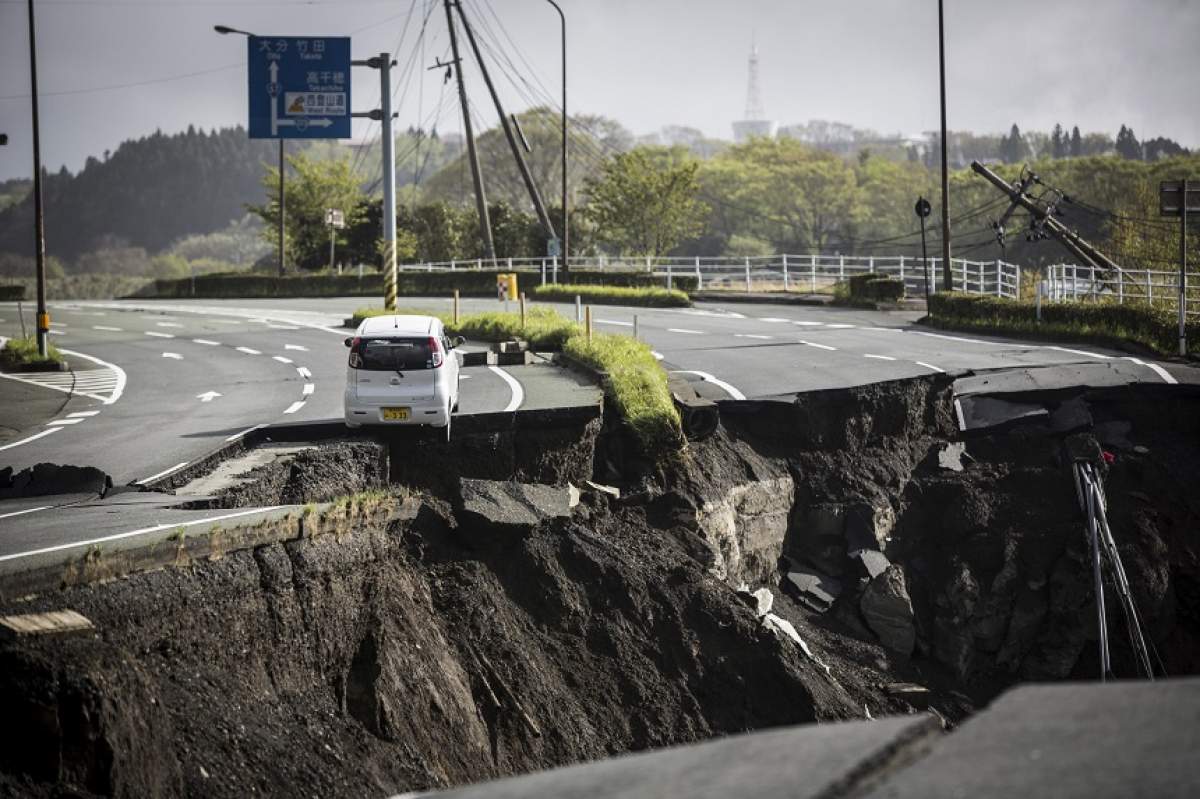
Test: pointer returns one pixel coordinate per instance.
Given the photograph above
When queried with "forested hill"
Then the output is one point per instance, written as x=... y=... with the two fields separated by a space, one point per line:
x=148 y=193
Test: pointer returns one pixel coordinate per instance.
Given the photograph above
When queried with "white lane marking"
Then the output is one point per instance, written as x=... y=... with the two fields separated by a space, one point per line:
x=1084 y=353
x=809 y=324
x=685 y=330
x=206 y=342
x=118 y=388
x=109 y=328
x=247 y=431
x=839 y=326
x=281 y=327
x=296 y=347
x=958 y=411
x=163 y=473
x=464 y=377
x=282 y=359
x=157 y=334
x=209 y=396
x=27 y=510
x=225 y=321
x=716 y=381
x=658 y=356
x=773 y=319
x=83 y=413
x=168 y=324
x=156 y=528
x=1161 y=372
x=33 y=437
x=880 y=329
x=518 y=393
x=953 y=338
x=295 y=406
x=175 y=356
x=930 y=366
x=752 y=335
x=303 y=372
x=248 y=351
x=54 y=422
x=878 y=357
x=309 y=388
x=57 y=332
x=706 y=312
x=818 y=346
x=613 y=322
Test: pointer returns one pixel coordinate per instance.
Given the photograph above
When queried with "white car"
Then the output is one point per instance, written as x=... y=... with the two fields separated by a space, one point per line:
x=402 y=371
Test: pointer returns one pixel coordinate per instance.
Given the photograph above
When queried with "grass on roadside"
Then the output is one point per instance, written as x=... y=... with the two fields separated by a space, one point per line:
x=22 y=353
x=648 y=296
x=637 y=386
x=544 y=329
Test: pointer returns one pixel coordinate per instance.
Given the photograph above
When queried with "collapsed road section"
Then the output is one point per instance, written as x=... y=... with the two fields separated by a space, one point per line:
x=523 y=601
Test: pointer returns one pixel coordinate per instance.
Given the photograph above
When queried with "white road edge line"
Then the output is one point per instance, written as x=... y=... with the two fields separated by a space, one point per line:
x=117 y=390
x=716 y=381
x=930 y=366
x=1084 y=353
x=752 y=335
x=33 y=437
x=157 y=334
x=514 y=385
x=54 y=422
x=83 y=413
x=685 y=330
x=295 y=406
x=175 y=356
x=962 y=423
x=22 y=512
x=878 y=357
x=247 y=431
x=819 y=346
x=1161 y=372
x=142 y=531
x=613 y=322
x=163 y=473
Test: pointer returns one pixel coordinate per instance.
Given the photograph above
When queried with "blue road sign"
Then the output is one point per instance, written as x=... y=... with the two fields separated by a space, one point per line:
x=299 y=87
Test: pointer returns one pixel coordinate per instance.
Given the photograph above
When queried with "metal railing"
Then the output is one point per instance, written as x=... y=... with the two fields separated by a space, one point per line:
x=799 y=273
x=1073 y=283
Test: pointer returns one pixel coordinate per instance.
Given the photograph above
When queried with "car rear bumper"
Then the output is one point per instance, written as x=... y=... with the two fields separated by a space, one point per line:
x=435 y=414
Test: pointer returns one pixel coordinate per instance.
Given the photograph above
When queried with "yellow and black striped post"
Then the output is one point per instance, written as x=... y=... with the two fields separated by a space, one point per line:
x=389 y=276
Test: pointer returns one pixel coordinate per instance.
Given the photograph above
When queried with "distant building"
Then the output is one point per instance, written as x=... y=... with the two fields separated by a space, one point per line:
x=755 y=122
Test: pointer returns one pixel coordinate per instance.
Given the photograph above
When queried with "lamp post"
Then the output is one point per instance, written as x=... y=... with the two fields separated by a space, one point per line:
x=39 y=222
x=225 y=29
x=566 y=224
x=947 y=272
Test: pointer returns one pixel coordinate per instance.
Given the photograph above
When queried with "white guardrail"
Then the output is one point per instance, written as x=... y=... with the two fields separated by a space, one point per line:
x=1071 y=283
x=812 y=273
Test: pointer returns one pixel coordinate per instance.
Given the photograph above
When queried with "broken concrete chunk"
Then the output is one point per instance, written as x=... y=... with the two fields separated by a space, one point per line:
x=888 y=611
x=612 y=491
x=56 y=622
x=50 y=478
x=913 y=694
x=572 y=496
x=1073 y=414
x=764 y=599
x=814 y=589
x=869 y=563
x=950 y=456
x=783 y=627
x=512 y=505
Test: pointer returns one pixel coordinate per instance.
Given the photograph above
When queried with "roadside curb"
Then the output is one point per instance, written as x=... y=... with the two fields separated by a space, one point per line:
x=763 y=298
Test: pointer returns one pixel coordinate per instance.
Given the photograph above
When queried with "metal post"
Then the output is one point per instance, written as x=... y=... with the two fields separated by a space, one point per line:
x=668 y=277
x=841 y=268
x=554 y=269
x=947 y=275
x=699 y=277
x=1121 y=287
x=902 y=272
x=543 y=273
x=522 y=298
x=635 y=328
x=812 y=273
x=587 y=321
x=481 y=208
x=389 y=174
x=924 y=263
x=1038 y=292
x=747 y=275
x=282 y=206
x=1149 y=288
x=331 y=245
x=578 y=309
x=456 y=306
x=39 y=223
x=785 y=272
x=1183 y=209
x=871 y=264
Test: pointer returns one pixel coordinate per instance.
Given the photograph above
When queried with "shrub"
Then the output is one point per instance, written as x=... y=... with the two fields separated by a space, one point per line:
x=12 y=293
x=650 y=296
x=22 y=353
x=875 y=287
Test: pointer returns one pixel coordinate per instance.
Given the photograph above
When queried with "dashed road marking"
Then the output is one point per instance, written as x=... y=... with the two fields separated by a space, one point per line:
x=805 y=323
x=248 y=351
x=168 y=324
x=83 y=413
x=108 y=328
x=685 y=330
x=175 y=356
x=303 y=372
x=295 y=406
x=282 y=359
x=774 y=319
x=839 y=326
x=878 y=357
x=819 y=346
x=296 y=347
x=206 y=342
x=63 y=421
x=157 y=334
x=729 y=389
x=309 y=388
x=752 y=335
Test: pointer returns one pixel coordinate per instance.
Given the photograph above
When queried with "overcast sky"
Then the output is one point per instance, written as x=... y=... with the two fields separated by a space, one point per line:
x=646 y=63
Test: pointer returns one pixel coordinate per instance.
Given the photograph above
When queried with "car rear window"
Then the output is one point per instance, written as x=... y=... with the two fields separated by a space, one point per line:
x=389 y=354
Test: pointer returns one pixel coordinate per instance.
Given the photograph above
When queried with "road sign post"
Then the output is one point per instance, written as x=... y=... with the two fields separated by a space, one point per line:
x=922 y=209
x=336 y=221
x=1177 y=198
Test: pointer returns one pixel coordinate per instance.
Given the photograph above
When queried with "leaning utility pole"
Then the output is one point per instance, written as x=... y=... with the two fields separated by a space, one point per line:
x=485 y=223
x=39 y=222
x=530 y=186
x=947 y=274
x=1071 y=240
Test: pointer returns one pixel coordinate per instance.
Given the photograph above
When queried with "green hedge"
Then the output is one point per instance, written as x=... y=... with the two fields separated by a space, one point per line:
x=22 y=353
x=468 y=281
x=1100 y=322
x=12 y=293
x=879 y=288
x=649 y=296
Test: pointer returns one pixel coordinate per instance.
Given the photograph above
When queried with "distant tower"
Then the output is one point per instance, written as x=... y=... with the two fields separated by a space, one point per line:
x=755 y=122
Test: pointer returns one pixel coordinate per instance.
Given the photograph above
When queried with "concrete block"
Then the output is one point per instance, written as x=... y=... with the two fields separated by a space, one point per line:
x=38 y=625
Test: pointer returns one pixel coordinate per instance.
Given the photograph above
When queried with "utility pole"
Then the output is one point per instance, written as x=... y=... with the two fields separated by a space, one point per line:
x=282 y=206
x=566 y=220
x=947 y=274
x=1183 y=215
x=485 y=224
x=530 y=186
x=389 y=178
x=39 y=221
x=1068 y=238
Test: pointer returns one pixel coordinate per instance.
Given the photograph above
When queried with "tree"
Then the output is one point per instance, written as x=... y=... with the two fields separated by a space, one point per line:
x=1058 y=142
x=1013 y=149
x=1076 y=148
x=1127 y=145
x=1154 y=149
x=644 y=201
x=311 y=189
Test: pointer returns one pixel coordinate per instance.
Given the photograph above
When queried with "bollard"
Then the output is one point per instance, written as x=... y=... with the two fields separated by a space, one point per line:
x=747 y=275
x=668 y=277
x=522 y=310
x=578 y=309
x=587 y=321
x=785 y=272
x=456 y=306
x=635 y=328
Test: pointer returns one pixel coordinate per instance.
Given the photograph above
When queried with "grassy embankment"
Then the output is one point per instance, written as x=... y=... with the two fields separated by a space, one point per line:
x=646 y=296
x=22 y=353
x=1102 y=322
x=635 y=383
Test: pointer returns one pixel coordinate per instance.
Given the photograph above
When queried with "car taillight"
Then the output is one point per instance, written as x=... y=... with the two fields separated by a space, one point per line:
x=435 y=352
x=355 y=356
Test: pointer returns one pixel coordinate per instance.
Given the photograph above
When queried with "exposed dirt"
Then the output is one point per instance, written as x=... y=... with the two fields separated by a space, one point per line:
x=439 y=645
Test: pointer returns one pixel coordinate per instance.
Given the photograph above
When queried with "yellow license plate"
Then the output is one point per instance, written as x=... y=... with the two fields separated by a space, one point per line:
x=395 y=414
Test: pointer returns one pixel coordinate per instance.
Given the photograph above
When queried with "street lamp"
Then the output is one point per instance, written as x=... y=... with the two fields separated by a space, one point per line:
x=566 y=224
x=225 y=29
